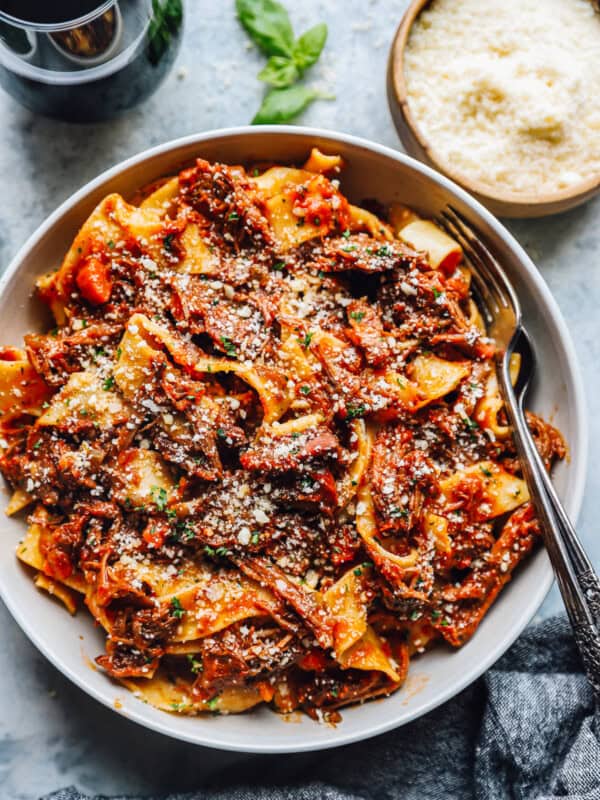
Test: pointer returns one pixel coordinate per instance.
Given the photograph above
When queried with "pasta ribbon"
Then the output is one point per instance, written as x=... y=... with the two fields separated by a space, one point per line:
x=84 y=398
x=161 y=199
x=367 y=654
x=144 y=477
x=114 y=221
x=355 y=475
x=22 y=390
x=169 y=694
x=444 y=252
x=29 y=552
x=367 y=528
x=300 y=205
x=437 y=527
x=356 y=644
x=490 y=405
x=347 y=605
x=199 y=257
x=500 y=491
x=57 y=589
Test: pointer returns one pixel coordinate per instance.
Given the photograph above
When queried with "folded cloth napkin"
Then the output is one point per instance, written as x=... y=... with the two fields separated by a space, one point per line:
x=528 y=729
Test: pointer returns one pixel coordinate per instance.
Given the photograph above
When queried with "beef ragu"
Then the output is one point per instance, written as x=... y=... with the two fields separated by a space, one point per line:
x=264 y=442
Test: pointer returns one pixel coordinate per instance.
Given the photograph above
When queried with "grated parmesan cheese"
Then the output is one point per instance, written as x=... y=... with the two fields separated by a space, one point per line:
x=507 y=91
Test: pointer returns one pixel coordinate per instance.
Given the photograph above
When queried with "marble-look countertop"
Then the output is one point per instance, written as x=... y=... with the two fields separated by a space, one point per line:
x=51 y=733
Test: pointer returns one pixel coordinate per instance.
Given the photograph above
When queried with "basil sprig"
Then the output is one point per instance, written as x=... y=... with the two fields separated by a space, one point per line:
x=282 y=104
x=268 y=24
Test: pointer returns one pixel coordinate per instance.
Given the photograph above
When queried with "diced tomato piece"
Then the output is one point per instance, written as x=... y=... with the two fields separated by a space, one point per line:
x=58 y=564
x=11 y=354
x=155 y=534
x=266 y=691
x=94 y=282
x=314 y=660
x=449 y=264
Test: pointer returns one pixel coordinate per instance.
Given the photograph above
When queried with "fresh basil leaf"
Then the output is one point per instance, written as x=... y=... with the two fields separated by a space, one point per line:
x=281 y=105
x=268 y=24
x=279 y=72
x=309 y=46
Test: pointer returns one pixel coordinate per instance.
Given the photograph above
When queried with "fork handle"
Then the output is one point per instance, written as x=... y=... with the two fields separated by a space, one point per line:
x=576 y=577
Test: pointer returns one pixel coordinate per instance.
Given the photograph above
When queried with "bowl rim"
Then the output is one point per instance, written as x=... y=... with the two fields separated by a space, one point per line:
x=216 y=739
x=398 y=92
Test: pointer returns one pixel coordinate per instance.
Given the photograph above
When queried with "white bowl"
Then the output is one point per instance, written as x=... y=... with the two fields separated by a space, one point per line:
x=71 y=644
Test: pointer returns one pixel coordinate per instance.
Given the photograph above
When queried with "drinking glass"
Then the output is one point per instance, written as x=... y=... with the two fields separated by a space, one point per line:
x=88 y=60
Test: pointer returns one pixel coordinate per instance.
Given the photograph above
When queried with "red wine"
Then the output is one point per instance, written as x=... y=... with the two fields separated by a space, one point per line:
x=110 y=59
x=49 y=12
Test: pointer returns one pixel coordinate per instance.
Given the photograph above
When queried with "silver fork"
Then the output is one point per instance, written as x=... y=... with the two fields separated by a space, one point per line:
x=500 y=307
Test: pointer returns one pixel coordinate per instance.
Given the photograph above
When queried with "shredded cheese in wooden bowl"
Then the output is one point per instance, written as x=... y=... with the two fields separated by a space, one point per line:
x=507 y=92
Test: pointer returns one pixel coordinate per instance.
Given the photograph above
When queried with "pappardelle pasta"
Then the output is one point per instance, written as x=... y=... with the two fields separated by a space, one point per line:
x=264 y=442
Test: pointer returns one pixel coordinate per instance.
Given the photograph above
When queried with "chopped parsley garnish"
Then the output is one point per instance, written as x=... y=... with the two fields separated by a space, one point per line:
x=399 y=512
x=305 y=342
x=119 y=353
x=346 y=233
x=228 y=345
x=357 y=315
x=194 y=665
x=279 y=266
x=37 y=445
x=350 y=248
x=233 y=216
x=436 y=614
x=305 y=389
x=486 y=472
x=177 y=610
x=354 y=412
x=384 y=250
x=159 y=496
x=415 y=616
x=110 y=243
x=213 y=702
x=108 y=383
x=168 y=241
x=221 y=552
x=470 y=423
x=437 y=293
x=255 y=537
x=317 y=221
x=184 y=530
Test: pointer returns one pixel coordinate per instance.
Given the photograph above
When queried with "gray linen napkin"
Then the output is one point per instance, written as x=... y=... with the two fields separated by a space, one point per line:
x=528 y=729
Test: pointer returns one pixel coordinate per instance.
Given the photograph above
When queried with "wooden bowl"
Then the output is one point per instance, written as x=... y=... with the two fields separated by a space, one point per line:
x=502 y=203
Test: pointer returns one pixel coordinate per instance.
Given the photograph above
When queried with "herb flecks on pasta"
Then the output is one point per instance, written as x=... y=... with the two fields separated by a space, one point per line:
x=264 y=441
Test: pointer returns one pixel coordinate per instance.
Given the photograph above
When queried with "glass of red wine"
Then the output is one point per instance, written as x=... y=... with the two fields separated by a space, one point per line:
x=86 y=60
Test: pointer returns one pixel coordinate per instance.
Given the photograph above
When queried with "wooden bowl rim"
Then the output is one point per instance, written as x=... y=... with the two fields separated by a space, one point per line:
x=397 y=83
